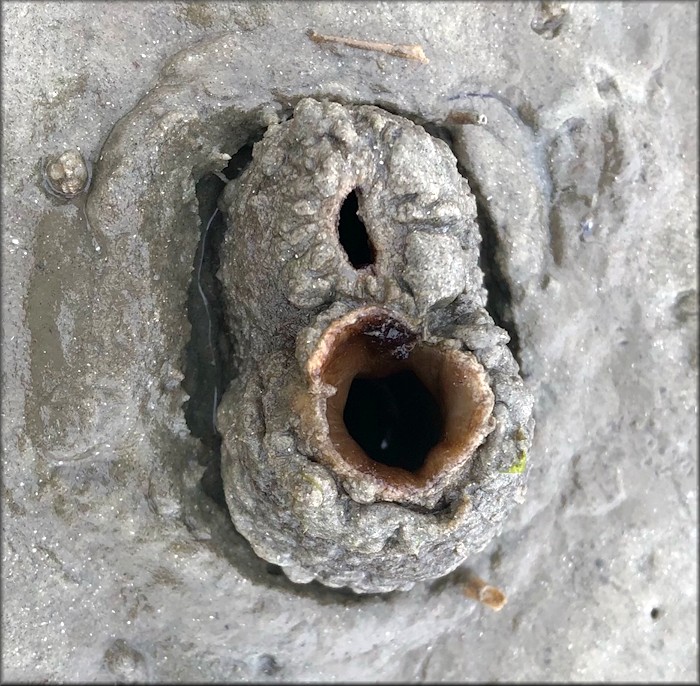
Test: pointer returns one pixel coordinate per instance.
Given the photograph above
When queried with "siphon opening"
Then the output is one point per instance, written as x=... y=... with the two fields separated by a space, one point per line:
x=352 y=234
x=403 y=410
x=394 y=419
x=208 y=366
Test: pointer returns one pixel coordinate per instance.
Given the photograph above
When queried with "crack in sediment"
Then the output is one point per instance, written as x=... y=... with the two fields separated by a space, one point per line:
x=499 y=301
x=202 y=367
x=205 y=303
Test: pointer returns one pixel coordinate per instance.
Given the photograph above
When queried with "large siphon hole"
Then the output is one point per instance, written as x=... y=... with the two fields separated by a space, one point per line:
x=404 y=411
x=353 y=234
x=394 y=419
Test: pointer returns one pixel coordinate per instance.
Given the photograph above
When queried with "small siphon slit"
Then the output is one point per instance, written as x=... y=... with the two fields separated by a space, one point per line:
x=353 y=234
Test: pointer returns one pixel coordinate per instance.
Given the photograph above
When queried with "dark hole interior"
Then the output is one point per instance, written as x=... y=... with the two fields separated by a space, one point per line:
x=394 y=419
x=353 y=234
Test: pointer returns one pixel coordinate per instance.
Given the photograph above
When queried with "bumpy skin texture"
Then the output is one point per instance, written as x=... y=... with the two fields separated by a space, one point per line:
x=287 y=278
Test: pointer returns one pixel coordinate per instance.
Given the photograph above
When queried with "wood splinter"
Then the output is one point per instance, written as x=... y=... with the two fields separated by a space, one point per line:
x=410 y=52
x=465 y=117
x=477 y=589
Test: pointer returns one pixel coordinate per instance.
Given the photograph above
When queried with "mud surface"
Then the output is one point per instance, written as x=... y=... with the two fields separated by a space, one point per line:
x=577 y=124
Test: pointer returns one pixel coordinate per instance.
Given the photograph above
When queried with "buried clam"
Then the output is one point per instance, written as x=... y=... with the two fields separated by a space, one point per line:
x=376 y=432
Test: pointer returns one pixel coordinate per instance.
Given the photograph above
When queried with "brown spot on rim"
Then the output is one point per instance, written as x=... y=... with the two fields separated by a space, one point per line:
x=373 y=343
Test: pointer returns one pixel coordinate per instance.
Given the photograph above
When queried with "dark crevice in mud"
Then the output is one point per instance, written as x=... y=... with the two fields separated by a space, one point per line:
x=208 y=356
x=203 y=367
x=499 y=302
x=442 y=133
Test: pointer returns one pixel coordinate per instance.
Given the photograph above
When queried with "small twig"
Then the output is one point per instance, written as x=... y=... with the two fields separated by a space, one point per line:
x=409 y=52
x=477 y=589
x=464 y=117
